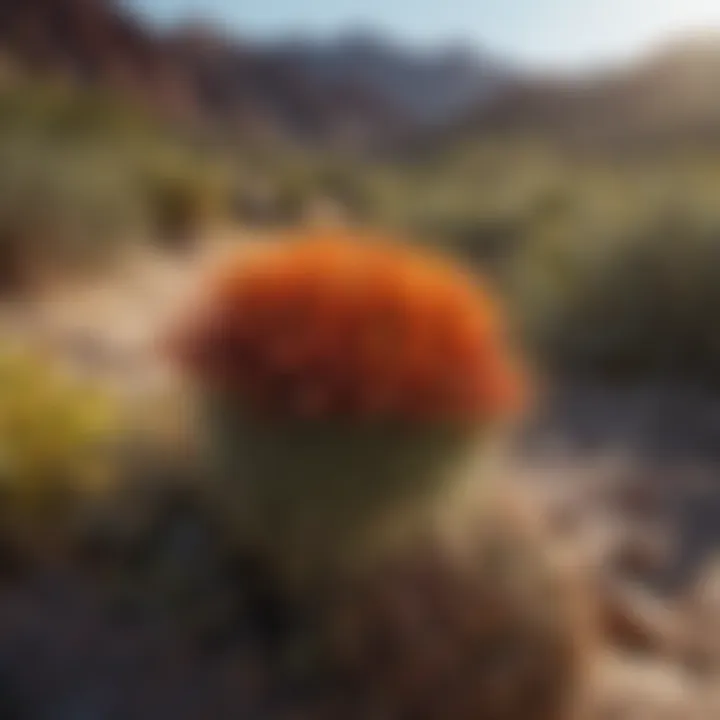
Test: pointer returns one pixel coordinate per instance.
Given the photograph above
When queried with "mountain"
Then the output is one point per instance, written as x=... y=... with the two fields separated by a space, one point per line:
x=250 y=86
x=670 y=96
x=93 y=43
x=358 y=90
x=431 y=86
x=191 y=76
x=360 y=84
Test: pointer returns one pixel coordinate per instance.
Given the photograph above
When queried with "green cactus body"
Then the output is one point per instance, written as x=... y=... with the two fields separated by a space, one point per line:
x=315 y=494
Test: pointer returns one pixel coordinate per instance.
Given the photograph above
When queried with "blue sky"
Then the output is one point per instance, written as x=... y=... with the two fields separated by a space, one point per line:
x=558 y=33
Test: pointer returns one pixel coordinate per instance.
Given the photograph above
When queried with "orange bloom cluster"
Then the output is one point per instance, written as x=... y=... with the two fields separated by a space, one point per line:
x=347 y=326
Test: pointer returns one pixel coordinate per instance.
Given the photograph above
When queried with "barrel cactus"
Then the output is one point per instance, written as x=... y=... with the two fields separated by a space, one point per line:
x=348 y=384
x=349 y=387
x=493 y=628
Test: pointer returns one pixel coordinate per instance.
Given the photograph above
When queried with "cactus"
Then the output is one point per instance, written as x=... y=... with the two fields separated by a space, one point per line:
x=350 y=387
x=348 y=384
x=490 y=628
x=331 y=494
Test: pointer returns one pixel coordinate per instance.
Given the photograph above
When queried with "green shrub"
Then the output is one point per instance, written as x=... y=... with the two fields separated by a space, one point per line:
x=60 y=210
x=183 y=195
x=638 y=306
x=82 y=174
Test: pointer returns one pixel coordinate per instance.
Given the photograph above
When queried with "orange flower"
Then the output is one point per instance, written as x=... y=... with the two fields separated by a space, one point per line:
x=349 y=326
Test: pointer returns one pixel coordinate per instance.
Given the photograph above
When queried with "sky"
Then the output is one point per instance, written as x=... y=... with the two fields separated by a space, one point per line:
x=558 y=34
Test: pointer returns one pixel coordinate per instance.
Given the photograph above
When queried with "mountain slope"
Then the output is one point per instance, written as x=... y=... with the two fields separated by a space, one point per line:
x=94 y=43
x=429 y=86
x=669 y=97
x=201 y=79
x=251 y=86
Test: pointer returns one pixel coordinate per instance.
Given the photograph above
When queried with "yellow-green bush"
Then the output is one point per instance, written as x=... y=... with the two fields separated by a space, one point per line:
x=56 y=447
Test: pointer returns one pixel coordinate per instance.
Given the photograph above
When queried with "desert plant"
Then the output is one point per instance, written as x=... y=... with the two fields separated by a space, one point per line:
x=375 y=369
x=183 y=195
x=56 y=438
x=60 y=209
x=353 y=386
x=630 y=307
x=83 y=174
x=483 y=623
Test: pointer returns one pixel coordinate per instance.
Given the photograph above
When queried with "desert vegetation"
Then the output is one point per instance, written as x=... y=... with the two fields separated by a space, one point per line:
x=84 y=175
x=607 y=262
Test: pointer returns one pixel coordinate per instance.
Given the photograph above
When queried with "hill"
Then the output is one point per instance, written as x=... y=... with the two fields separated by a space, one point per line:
x=667 y=98
x=430 y=86
x=357 y=90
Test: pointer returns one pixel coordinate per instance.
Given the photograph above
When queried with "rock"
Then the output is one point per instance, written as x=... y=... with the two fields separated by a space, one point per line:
x=645 y=551
x=701 y=607
x=636 y=621
x=641 y=499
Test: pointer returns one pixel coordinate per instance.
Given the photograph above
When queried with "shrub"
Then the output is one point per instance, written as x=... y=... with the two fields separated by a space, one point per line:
x=56 y=438
x=82 y=175
x=183 y=196
x=634 y=307
x=60 y=209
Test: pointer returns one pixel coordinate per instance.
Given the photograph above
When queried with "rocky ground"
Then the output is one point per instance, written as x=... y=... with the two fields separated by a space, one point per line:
x=628 y=479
